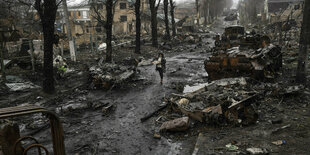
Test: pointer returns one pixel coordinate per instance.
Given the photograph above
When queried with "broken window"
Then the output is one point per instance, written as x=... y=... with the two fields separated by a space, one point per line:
x=123 y=5
x=123 y=18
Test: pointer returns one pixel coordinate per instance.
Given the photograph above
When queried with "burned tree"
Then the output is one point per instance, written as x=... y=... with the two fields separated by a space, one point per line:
x=108 y=27
x=47 y=12
x=105 y=20
x=138 y=26
x=197 y=10
x=206 y=11
x=167 y=36
x=303 y=45
x=172 y=7
x=154 y=8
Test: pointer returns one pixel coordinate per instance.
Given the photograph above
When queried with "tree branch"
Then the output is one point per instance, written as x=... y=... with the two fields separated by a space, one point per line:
x=157 y=4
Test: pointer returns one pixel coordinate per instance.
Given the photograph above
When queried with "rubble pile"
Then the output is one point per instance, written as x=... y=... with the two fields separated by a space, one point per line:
x=108 y=75
x=219 y=102
x=230 y=101
x=188 y=38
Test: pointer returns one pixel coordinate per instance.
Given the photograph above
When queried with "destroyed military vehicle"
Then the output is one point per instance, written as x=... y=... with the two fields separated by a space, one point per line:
x=235 y=36
x=231 y=17
x=238 y=53
x=260 y=64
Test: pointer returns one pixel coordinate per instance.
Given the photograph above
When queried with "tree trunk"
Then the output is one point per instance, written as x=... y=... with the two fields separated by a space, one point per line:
x=167 y=36
x=174 y=33
x=138 y=26
x=303 y=55
x=3 y=76
x=154 y=22
x=197 y=11
x=47 y=13
x=108 y=26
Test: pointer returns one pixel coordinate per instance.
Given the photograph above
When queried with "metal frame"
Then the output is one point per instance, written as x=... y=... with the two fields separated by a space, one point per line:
x=55 y=124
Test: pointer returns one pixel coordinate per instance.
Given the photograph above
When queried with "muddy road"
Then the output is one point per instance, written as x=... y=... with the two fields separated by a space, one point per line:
x=91 y=131
x=121 y=131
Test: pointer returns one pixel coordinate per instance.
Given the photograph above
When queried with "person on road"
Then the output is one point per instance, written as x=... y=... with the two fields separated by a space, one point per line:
x=160 y=63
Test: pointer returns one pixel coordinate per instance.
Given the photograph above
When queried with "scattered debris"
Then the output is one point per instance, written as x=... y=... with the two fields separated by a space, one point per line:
x=108 y=75
x=279 y=142
x=21 y=86
x=254 y=150
x=203 y=105
x=157 y=136
x=153 y=113
x=179 y=124
x=231 y=147
x=280 y=129
x=105 y=110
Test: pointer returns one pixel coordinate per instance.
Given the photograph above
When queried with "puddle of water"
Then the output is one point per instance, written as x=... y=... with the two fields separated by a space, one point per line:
x=189 y=89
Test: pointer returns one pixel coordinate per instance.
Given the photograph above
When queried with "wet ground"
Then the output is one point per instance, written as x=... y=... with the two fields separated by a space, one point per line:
x=121 y=131
x=89 y=130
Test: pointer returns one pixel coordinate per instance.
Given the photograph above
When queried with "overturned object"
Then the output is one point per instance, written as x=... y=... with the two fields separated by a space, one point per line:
x=260 y=64
x=179 y=124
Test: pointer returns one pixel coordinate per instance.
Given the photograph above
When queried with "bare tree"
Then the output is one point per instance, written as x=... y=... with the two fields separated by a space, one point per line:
x=172 y=7
x=167 y=36
x=197 y=10
x=303 y=45
x=138 y=25
x=108 y=26
x=106 y=20
x=47 y=12
x=154 y=8
x=205 y=7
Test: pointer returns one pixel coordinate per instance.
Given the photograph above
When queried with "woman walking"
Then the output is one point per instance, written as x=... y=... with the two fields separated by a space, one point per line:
x=160 y=63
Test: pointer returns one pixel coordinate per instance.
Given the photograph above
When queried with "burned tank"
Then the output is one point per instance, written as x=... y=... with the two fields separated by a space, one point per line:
x=260 y=64
x=235 y=36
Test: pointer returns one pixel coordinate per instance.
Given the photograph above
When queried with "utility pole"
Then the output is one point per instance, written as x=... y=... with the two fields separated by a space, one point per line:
x=69 y=35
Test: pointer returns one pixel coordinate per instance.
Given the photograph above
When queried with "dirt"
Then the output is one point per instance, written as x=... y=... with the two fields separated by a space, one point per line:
x=119 y=131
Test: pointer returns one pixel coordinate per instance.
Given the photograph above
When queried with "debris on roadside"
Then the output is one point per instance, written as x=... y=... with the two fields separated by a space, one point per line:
x=279 y=142
x=231 y=147
x=157 y=136
x=203 y=105
x=105 y=110
x=108 y=75
x=256 y=151
x=179 y=124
